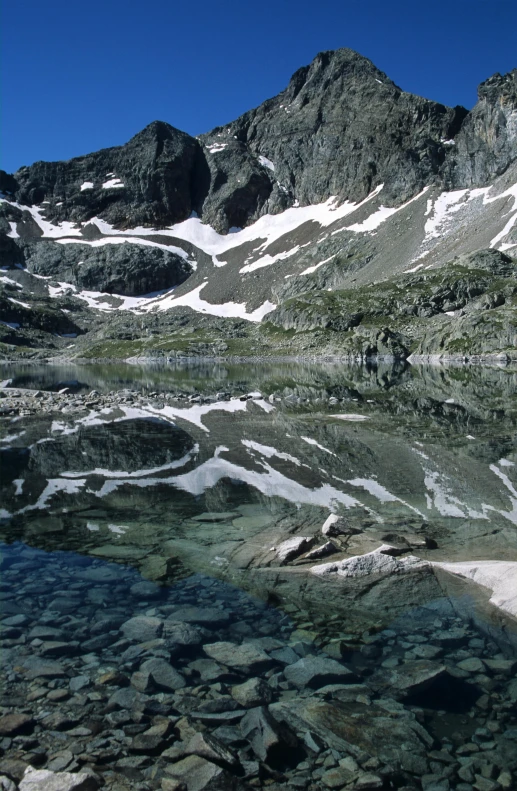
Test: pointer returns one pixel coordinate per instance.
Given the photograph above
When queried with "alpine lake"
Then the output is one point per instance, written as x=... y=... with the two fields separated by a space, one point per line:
x=178 y=611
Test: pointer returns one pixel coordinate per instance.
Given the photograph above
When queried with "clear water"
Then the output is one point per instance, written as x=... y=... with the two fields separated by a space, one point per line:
x=192 y=500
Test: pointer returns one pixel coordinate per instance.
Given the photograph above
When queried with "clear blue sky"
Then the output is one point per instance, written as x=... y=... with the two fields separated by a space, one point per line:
x=78 y=76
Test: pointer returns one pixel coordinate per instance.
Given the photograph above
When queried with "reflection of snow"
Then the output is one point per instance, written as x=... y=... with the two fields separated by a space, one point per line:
x=311 y=441
x=269 y=452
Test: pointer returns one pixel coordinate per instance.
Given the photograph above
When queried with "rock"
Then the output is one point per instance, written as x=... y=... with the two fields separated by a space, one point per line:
x=362 y=729
x=408 y=679
x=153 y=740
x=380 y=561
x=336 y=777
x=335 y=526
x=182 y=634
x=471 y=665
x=142 y=628
x=323 y=551
x=163 y=674
x=254 y=692
x=293 y=547
x=204 y=616
x=35 y=667
x=267 y=737
x=199 y=774
x=245 y=658
x=208 y=746
x=44 y=780
x=316 y=671
x=6 y=784
x=13 y=724
x=145 y=590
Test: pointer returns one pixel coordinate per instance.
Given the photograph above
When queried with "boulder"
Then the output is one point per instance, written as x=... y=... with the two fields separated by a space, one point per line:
x=44 y=780
x=246 y=658
x=317 y=671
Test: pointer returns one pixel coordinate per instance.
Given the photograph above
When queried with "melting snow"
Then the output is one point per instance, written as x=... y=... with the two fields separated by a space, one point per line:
x=86 y=185
x=266 y=162
x=112 y=184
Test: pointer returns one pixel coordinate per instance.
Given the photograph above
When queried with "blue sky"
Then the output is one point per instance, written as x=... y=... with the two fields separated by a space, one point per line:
x=78 y=76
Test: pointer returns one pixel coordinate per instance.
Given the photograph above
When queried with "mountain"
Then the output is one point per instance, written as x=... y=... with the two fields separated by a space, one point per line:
x=343 y=216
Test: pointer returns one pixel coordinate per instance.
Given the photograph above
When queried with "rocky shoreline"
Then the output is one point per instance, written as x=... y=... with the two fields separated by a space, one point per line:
x=115 y=682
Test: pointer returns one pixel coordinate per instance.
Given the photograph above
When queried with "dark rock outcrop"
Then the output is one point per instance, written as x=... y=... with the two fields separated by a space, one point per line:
x=157 y=178
x=127 y=269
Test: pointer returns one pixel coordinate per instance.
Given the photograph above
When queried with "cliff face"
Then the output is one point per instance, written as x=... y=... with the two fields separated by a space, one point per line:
x=487 y=141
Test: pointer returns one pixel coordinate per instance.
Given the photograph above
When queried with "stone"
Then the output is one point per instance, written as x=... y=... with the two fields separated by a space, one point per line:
x=472 y=665
x=44 y=780
x=408 y=679
x=153 y=740
x=182 y=634
x=210 y=617
x=142 y=628
x=245 y=657
x=316 y=671
x=208 y=746
x=199 y=774
x=13 y=724
x=266 y=736
x=293 y=547
x=6 y=784
x=336 y=777
x=323 y=551
x=36 y=667
x=163 y=674
x=254 y=692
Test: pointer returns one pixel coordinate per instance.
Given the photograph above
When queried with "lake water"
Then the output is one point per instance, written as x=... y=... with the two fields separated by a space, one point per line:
x=172 y=502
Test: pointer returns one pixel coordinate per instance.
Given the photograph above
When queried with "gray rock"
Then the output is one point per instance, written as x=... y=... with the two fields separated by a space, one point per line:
x=266 y=736
x=246 y=658
x=204 y=616
x=36 y=667
x=44 y=780
x=254 y=692
x=163 y=674
x=208 y=746
x=407 y=679
x=142 y=628
x=198 y=774
x=316 y=671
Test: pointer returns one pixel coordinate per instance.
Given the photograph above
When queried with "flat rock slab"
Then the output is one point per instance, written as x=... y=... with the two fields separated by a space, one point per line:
x=44 y=780
x=243 y=657
x=365 y=729
x=198 y=774
x=142 y=628
x=317 y=671
x=409 y=678
x=36 y=667
x=12 y=724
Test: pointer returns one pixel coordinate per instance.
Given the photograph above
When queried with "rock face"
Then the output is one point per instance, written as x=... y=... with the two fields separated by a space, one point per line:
x=341 y=127
x=127 y=269
x=156 y=178
x=486 y=144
